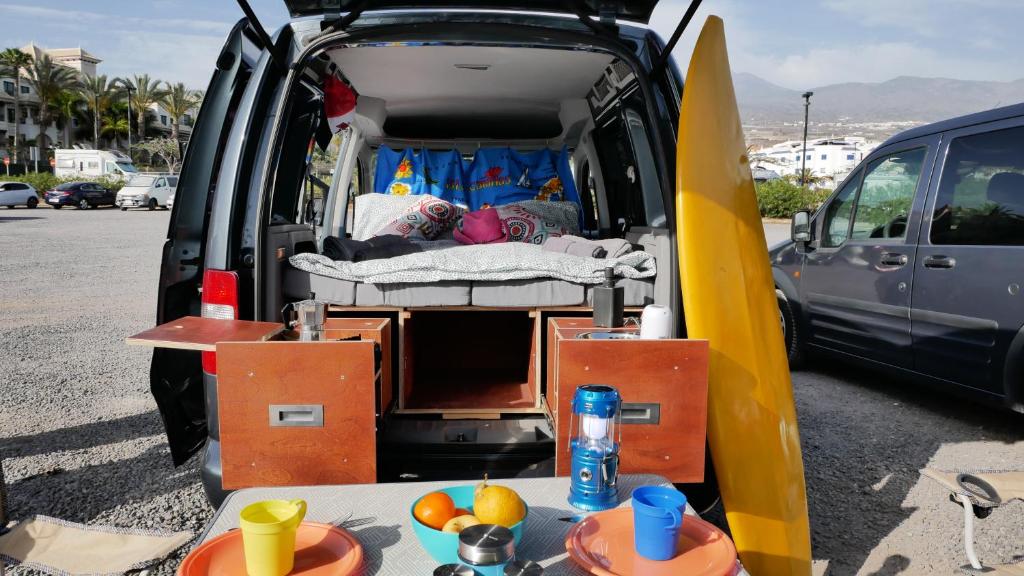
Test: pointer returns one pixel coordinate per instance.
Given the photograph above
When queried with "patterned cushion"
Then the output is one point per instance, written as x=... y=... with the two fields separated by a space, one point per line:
x=374 y=211
x=424 y=220
x=564 y=214
x=521 y=225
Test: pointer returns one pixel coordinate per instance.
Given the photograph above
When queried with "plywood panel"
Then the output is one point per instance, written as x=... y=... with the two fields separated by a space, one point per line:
x=671 y=373
x=336 y=375
x=473 y=361
x=196 y=333
x=377 y=330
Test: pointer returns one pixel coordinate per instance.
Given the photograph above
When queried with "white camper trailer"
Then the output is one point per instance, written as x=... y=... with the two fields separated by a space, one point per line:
x=95 y=163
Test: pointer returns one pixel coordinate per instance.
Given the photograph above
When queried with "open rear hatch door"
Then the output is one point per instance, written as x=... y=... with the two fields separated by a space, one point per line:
x=633 y=10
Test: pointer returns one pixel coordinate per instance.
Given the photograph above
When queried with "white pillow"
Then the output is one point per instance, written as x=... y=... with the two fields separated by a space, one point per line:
x=375 y=211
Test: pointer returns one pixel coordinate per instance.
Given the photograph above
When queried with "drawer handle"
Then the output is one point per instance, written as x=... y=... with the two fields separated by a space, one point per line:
x=306 y=415
x=641 y=413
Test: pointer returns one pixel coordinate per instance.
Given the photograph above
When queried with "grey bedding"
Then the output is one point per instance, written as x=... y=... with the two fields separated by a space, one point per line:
x=446 y=261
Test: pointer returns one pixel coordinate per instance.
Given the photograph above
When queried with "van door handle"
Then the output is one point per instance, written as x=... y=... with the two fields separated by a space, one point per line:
x=939 y=261
x=893 y=259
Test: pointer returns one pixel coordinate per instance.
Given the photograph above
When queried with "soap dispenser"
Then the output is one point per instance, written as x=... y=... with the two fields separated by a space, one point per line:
x=608 y=301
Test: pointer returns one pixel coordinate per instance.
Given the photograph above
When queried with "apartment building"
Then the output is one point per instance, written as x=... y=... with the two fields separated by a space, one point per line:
x=833 y=157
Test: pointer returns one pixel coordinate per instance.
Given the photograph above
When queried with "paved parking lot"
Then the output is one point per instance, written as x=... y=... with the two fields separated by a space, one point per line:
x=82 y=440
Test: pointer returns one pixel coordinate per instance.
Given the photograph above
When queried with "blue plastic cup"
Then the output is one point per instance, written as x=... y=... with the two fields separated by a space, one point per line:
x=657 y=518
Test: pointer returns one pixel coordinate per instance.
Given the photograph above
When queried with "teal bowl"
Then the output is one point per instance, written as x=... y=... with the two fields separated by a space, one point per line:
x=444 y=546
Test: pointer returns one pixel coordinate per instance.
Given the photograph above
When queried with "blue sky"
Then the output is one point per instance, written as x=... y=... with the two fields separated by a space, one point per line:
x=795 y=43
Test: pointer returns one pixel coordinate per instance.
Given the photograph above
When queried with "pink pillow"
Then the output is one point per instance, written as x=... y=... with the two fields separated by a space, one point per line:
x=480 y=227
x=426 y=219
x=523 y=226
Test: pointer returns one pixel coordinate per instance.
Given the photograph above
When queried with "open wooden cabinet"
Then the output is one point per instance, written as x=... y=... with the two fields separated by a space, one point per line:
x=473 y=385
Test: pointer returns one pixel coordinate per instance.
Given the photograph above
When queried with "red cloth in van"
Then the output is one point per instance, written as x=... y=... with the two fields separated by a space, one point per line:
x=339 y=104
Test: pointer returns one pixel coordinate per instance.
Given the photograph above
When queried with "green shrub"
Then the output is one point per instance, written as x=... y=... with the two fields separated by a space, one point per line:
x=43 y=181
x=781 y=199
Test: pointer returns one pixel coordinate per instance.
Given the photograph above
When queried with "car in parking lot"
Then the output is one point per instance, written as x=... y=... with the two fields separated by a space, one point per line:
x=146 y=191
x=916 y=262
x=81 y=194
x=18 y=194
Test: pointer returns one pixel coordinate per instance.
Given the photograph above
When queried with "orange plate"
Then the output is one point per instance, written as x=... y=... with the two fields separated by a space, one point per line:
x=320 y=549
x=602 y=543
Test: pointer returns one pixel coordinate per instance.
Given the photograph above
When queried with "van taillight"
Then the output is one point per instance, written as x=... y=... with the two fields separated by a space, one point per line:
x=220 y=300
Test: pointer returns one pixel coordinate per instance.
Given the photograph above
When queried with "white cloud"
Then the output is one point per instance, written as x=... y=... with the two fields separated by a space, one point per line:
x=167 y=55
x=117 y=21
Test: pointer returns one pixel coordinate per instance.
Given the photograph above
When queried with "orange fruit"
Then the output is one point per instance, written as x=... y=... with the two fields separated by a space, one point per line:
x=434 y=510
x=462 y=512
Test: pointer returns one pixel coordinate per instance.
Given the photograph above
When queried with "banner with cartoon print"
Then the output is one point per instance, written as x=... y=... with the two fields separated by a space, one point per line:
x=495 y=176
x=443 y=175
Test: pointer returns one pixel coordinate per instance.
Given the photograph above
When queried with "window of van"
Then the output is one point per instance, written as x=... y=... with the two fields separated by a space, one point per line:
x=981 y=194
x=140 y=180
x=836 y=225
x=886 y=195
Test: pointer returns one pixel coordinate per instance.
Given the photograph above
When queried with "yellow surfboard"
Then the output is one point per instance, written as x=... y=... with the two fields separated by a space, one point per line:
x=729 y=299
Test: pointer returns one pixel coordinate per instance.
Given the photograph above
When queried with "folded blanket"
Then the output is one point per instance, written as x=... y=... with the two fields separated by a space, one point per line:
x=577 y=246
x=478 y=262
x=615 y=246
x=386 y=251
x=351 y=250
x=572 y=245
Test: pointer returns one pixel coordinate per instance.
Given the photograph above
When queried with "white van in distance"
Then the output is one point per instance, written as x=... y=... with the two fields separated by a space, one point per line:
x=146 y=191
x=70 y=163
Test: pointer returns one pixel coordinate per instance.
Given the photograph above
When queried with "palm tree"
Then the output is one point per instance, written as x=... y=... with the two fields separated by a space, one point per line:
x=115 y=123
x=178 y=101
x=144 y=93
x=12 y=62
x=98 y=94
x=66 y=105
x=49 y=79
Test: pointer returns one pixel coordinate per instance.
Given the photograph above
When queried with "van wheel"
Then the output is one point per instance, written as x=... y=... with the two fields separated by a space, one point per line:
x=32 y=202
x=794 y=342
x=57 y=206
x=124 y=209
x=83 y=204
x=152 y=204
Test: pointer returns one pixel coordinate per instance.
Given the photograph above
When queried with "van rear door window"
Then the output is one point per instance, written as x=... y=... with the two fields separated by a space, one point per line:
x=981 y=194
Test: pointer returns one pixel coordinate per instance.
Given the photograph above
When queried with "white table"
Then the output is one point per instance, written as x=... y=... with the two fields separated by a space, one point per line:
x=380 y=518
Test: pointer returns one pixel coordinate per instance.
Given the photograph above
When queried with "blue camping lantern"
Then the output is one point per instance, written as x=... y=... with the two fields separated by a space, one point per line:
x=595 y=447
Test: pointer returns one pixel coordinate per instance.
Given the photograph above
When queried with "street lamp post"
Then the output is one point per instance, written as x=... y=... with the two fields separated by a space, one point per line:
x=803 y=157
x=128 y=87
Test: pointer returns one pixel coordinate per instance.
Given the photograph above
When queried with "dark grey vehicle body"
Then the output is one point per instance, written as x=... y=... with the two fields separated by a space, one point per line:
x=219 y=211
x=930 y=288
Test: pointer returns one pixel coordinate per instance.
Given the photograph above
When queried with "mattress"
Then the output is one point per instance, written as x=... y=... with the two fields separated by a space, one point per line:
x=636 y=292
x=297 y=285
x=533 y=292
x=413 y=294
x=537 y=292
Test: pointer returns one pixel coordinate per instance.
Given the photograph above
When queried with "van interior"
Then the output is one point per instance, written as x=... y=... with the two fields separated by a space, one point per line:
x=469 y=358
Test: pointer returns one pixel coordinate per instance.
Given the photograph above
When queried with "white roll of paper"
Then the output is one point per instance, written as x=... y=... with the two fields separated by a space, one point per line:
x=656 y=322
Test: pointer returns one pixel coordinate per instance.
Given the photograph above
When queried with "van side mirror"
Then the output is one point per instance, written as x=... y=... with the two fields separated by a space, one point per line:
x=800 y=229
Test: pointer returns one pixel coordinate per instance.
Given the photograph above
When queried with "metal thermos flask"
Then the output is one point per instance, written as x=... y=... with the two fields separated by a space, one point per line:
x=608 y=301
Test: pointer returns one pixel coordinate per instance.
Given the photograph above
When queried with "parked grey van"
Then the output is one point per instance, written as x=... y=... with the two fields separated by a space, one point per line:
x=916 y=262
x=588 y=78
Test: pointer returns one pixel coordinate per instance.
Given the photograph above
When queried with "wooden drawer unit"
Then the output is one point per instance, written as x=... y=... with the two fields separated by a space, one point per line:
x=296 y=413
x=664 y=390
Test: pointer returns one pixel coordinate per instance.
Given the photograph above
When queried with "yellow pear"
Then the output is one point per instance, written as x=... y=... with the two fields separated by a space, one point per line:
x=460 y=523
x=499 y=505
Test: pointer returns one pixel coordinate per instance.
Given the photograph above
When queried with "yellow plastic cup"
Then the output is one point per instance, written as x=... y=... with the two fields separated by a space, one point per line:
x=268 y=536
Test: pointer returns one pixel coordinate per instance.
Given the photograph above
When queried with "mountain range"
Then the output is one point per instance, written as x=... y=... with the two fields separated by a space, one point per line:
x=902 y=99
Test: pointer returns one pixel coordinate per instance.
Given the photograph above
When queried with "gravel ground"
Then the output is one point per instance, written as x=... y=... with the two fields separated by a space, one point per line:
x=82 y=440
